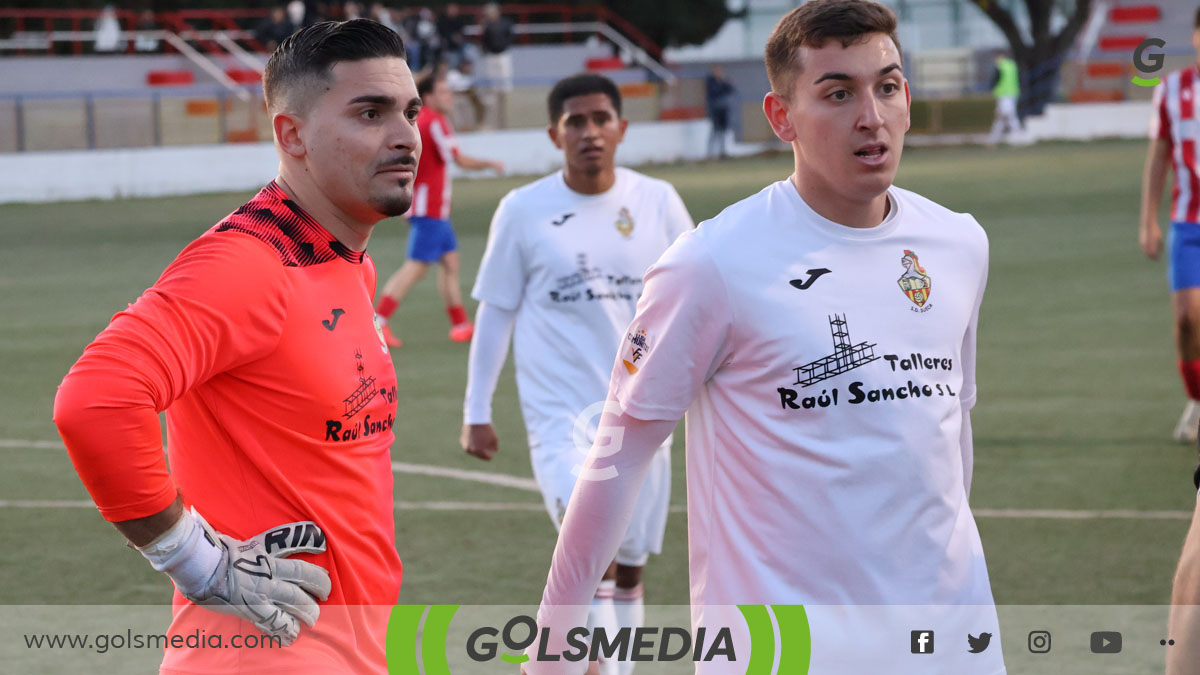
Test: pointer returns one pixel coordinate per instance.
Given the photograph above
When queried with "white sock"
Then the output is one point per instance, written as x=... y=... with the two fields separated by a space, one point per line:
x=631 y=613
x=603 y=614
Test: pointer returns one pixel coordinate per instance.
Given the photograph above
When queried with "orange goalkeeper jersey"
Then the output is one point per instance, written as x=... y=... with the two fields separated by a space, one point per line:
x=259 y=342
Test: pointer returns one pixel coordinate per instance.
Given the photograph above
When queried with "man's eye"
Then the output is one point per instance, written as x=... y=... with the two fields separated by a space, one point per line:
x=839 y=95
x=370 y=114
x=890 y=88
x=412 y=114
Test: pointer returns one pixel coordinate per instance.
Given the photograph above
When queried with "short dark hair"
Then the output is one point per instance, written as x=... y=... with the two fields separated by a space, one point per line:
x=581 y=85
x=428 y=81
x=816 y=21
x=1196 y=24
x=308 y=55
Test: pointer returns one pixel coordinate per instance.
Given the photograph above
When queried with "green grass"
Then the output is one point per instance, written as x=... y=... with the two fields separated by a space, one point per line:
x=1077 y=386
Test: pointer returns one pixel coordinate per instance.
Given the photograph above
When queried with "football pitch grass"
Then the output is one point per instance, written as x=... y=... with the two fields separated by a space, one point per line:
x=1077 y=389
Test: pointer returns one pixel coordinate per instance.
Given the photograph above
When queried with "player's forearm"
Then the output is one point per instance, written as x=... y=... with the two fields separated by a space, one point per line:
x=472 y=163
x=1184 y=620
x=142 y=531
x=596 y=519
x=489 y=349
x=1154 y=180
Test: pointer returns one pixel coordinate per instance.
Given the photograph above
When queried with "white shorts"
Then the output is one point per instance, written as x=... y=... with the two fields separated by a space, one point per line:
x=555 y=469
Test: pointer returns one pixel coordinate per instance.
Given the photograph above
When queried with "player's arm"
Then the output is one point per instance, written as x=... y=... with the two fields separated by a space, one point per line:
x=219 y=304
x=1154 y=176
x=595 y=522
x=1183 y=625
x=1154 y=180
x=676 y=342
x=489 y=349
x=469 y=163
x=499 y=288
x=968 y=390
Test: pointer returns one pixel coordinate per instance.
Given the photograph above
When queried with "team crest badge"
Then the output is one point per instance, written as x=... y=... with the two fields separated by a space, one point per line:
x=624 y=222
x=638 y=348
x=914 y=282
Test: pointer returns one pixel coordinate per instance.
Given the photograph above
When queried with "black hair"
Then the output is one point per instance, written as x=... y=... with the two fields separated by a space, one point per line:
x=581 y=85
x=311 y=52
x=426 y=82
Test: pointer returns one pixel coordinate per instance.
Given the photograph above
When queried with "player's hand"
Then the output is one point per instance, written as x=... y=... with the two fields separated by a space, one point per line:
x=479 y=440
x=1151 y=239
x=250 y=579
x=498 y=166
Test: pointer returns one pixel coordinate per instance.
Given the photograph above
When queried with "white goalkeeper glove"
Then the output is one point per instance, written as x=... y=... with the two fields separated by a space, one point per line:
x=250 y=579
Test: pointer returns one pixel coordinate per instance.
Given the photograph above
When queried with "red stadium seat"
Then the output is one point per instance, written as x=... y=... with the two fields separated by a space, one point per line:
x=1135 y=14
x=682 y=113
x=1121 y=43
x=170 y=78
x=1110 y=69
x=612 y=63
x=244 y=75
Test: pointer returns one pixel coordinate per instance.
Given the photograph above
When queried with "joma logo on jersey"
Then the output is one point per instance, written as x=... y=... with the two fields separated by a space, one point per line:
x=638 y=348
x=915 y=283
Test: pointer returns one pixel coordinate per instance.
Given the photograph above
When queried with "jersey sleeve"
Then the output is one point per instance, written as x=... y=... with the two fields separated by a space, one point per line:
x=220 y=304
x=968 y=393
x=443 y=139
x=502 y=272
x=1160 y=121
x=679 y=335
x=676 y=215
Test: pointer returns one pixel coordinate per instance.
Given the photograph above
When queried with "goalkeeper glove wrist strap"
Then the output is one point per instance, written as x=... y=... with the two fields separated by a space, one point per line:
x=186 y=554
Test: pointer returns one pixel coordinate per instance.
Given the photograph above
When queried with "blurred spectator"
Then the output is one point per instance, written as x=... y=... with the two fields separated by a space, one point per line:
x=1006 y=87
x=497 y=60
x=145 y=43
x=384 y=16
x=719 y=96
x=108 y=31
x=275 y=28
x=351 y=10
x=450 y=25
x=297 y=14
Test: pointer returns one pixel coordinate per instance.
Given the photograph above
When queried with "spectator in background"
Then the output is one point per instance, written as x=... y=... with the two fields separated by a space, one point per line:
x=108 y=31
x=450 y=25
x=497 y=60
x=384 y=16
x=145 y=43
x=718 y=94
x=297 y=14
x=351 y=10
x=1006 y=87
x=421 y=27
x=275 y=28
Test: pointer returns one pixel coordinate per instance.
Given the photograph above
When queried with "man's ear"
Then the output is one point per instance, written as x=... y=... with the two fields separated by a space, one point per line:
x=287 y=133
x=553 y=131
x=907 y=107
x=776 y=110
x=622 y=124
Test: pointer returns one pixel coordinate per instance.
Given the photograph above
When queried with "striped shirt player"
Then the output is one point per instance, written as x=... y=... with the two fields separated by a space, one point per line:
x=431 y=238
x=1174 y=136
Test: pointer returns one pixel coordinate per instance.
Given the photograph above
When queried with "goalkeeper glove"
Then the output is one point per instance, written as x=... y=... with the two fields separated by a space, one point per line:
x=250 y=579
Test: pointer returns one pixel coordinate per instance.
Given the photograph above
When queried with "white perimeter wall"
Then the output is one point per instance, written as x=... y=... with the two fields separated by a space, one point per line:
x=158 y=172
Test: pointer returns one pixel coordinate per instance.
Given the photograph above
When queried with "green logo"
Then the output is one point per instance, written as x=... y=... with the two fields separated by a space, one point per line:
x=1148 y=64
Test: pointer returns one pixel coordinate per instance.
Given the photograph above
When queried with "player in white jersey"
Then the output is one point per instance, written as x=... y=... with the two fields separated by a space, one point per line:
x=820 y=336
x=563 y=270
x=1175 y=142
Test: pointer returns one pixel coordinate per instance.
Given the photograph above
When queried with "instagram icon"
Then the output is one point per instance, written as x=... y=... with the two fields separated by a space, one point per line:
x=1039 y=641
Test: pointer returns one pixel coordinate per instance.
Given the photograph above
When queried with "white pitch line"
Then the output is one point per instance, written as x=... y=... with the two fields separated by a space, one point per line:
x=1083 y=514
x=505 y=480
x=530 y=485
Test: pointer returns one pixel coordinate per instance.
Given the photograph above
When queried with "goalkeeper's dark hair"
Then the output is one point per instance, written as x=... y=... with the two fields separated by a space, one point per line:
x=429 y=80
x=1196 y=23
x=307 y=56
x=581 y=85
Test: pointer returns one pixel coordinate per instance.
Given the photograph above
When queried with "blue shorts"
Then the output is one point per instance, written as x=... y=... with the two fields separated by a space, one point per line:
x=429 y=239
x=1183 y=259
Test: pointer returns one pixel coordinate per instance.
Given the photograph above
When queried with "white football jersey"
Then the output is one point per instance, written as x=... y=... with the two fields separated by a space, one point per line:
x=571 y=265
x=825 y=371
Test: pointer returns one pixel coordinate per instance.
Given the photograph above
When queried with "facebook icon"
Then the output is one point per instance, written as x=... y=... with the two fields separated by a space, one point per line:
x=922 y=642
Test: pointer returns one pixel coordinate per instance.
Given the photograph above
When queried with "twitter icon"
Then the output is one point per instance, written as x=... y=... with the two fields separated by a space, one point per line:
x=978 y=644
